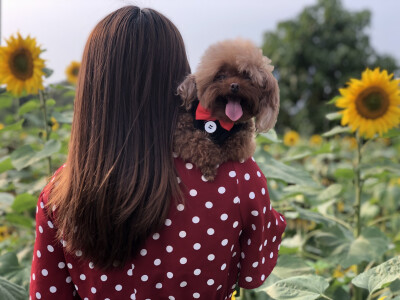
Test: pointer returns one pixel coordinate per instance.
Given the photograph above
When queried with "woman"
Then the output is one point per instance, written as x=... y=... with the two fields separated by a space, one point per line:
x=124 y=218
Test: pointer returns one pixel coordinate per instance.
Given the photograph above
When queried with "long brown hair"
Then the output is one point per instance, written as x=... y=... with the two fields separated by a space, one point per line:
x=119 y=178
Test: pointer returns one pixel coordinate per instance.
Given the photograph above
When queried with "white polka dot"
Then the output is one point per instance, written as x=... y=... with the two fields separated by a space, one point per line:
x=171 y=298
x=157 y=262
x=209 y=204
x=50 y=248
x=274 y=238
x=241 y=161
x=103 y=277
x=69 y=266
x=159 y=285
x=183 y=260
x=279 y=247
x=252 y=195
x=265 y=243
x=220 y=286
x=129 y=272
x=196 y=295
x=53 y=289
x=182 y=234
x=235 y=224
x=223 y=267
x=263 y=260
x=41 y=204
x=45 y=272
x=260 y=248
x=263 y=191
x=248 y=279
x=38 y=253
x=64 y=243
x=178 y=179
x=144 y=278
x=143 y=252
x=224 y=242
x=180 y=207
x=189 y=166
x=255 y=264
x=118 y=287
x=211 y=257
x=168 y=222
x=183 y=284
x=196 y=219
x=203 y=178
x=169 y=249
x=221 y=190
x=236 y=200
x=252 y=158
x=33 y=276
x=38 y=295
x=271 y=255
x=197 y=272
x=276 y=222
x=40 y=229
x=156 y=236
x=232 y=174
x=133 y=296
x=269 y=225
x=254 y=213
x=224 y=217
x=249 y=242
x=242 y=255
x=258 y=174
x=170 y=275
x=61 y=265
x=68 y=279
x=93 y=290
x=210 y=231
x=253 y=226
x=210 y=281
x=50 y=224
x=247 y=176
x=82 y=277
x=91 y=265
x=281 y=218
x=270 y=206
x=193 y=192
x=196 y=246
x=264 y=210
x=262 y=277
x=78 y=253
x=175 y=155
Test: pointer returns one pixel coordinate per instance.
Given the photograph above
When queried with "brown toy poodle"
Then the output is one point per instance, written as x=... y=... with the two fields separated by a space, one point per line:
x=233 y=84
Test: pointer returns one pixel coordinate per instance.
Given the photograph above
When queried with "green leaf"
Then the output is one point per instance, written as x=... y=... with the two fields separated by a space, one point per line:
x=271 y=136
x=333 y=100
x=5 y=164
x=394 y=132
x=17 y=219
x=25 y=155
x=64 y=117
x=343 y=249
x=50 y=102
x=277 y=170
x=11 y=291
x=334 y=116
x=24 y=202
x=290 y=265
x=47 y=72
x=11 y=269
x=332 y=191
x=29 y=106
x=374 y=278
x=15 y=126
x=305 y=287
x=344 y=173
x=310 y=215
x=5 y=101
x=6 y=200
x=336 y=130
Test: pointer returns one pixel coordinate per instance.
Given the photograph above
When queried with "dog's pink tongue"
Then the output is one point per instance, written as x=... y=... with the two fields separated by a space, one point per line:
x=233 y=110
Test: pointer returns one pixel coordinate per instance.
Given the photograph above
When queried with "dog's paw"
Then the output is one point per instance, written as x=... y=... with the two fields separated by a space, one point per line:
x=209 y=173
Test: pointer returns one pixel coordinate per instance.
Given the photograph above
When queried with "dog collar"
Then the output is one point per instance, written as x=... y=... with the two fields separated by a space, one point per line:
x=204 y=114
x=216 y=131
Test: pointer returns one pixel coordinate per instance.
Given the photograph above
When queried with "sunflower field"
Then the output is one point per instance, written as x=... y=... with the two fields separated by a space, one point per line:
x=339 y=191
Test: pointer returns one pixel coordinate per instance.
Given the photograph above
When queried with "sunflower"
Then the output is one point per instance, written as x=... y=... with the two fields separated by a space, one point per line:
x=20 y=65
x=1 y=126
x=291 y=138
x=316 y=140
x=72 y=71
x=371 y=105
x=55 y=125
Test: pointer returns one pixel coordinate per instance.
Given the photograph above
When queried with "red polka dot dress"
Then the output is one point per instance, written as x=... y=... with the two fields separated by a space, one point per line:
x=225 y=234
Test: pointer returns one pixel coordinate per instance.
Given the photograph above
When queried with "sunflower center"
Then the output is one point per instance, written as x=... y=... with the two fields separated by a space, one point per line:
x=372 y=103
x=75 y=71
x=21 y=64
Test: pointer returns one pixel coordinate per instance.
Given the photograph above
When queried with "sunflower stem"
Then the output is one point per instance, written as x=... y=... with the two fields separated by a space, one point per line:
x=47 y=128
x=17 y=104
x=357 y=207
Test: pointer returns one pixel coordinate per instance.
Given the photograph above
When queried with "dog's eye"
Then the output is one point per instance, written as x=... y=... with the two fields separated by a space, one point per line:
x=246 y=76
x=220 y=77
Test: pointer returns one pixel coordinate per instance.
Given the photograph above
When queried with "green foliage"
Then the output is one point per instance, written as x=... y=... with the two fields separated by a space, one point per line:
x=316 y=53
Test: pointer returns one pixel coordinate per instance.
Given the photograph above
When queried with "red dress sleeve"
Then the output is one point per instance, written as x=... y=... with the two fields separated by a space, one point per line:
x=50 y=278
x=262 y=226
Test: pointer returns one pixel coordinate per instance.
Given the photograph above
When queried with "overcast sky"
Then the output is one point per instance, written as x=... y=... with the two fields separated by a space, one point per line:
x=62 y=26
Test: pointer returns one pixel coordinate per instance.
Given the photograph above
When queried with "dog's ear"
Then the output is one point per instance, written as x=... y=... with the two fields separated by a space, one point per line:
x=187 y=91
x=269 y=105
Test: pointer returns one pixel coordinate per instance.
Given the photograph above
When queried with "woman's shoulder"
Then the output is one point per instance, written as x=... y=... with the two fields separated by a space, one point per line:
x=50 y=183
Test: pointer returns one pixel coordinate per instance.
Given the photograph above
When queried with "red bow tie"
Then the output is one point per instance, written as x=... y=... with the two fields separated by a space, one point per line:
x=204 y=114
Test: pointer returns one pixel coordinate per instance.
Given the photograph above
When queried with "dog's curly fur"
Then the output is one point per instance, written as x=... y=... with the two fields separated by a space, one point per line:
x=237 y=62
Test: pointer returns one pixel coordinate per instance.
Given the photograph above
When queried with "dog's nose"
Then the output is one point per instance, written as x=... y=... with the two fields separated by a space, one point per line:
x=234 y=87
